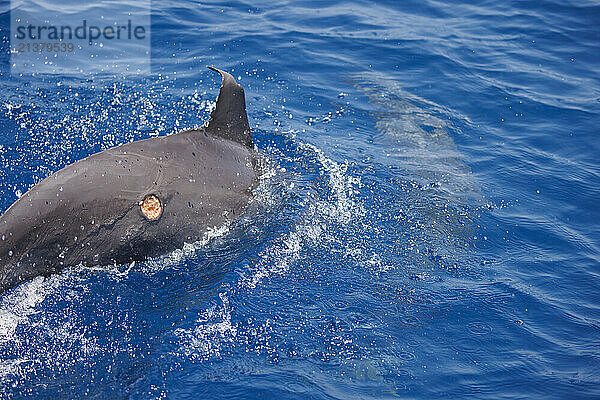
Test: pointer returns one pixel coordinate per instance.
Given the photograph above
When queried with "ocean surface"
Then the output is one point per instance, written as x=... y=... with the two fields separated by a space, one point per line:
x=427 y=225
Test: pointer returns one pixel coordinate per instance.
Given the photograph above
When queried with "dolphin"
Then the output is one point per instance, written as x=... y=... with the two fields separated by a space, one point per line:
x=135 y=201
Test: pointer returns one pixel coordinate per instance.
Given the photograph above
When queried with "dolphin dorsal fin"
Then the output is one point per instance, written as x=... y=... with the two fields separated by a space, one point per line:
x=229 y=119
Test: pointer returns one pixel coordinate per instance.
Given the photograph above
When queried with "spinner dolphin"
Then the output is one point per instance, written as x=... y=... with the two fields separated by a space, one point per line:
x=134 y=201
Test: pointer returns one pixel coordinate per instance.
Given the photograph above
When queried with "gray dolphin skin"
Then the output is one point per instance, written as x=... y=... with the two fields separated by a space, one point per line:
x=139 y=200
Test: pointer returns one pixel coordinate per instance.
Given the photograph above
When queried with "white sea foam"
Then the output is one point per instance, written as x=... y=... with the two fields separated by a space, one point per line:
x=211 y=331
x=52 y=339
x=188 y=250
x=18 y=305
x=343 y=185
x=340 y=208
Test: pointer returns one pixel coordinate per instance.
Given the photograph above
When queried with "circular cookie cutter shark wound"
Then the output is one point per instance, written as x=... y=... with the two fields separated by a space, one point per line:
x=96 y=211
x=151 y=207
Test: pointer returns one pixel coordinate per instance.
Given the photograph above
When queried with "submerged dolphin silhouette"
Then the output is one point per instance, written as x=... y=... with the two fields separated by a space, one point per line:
x=134 y=201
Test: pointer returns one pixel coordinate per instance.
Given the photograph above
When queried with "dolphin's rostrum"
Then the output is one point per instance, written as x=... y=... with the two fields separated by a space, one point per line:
x=134 y=201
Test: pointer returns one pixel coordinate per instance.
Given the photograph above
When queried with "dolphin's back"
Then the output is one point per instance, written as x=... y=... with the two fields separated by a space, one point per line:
x=91 y=212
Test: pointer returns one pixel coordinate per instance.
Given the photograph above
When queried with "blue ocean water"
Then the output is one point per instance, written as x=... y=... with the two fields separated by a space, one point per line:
x=427 y=226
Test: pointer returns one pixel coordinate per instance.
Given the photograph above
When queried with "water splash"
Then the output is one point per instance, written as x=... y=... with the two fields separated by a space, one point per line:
x=320 y=211
x=212 y=330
